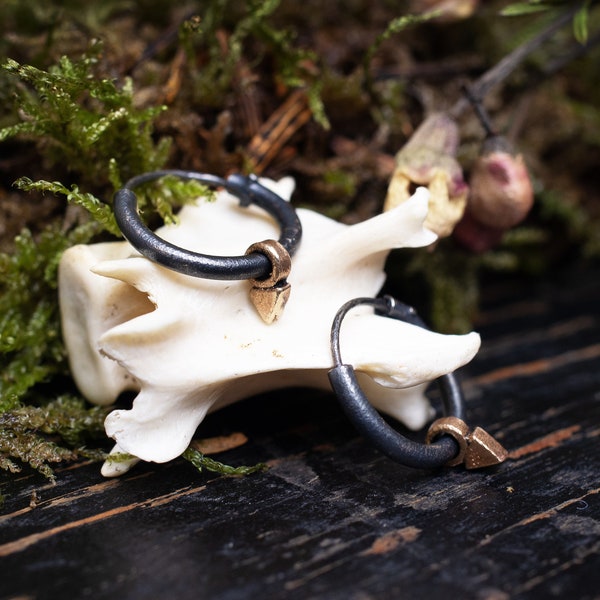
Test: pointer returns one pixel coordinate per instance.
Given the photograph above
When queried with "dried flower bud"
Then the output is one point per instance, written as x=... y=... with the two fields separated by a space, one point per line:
x=428 y=159
x=501 y=190
x=501 y=196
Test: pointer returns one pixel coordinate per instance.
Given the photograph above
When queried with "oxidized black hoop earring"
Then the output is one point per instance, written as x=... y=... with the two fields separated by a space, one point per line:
x=266 y=264
x=449 y=441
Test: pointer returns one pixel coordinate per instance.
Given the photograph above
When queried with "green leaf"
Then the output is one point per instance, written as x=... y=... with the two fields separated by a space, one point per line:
x=580 y=23
x=523 y=8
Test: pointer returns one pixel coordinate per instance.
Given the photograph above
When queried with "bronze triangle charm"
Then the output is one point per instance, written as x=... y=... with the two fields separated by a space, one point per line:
x=269 y=302
x=483 y=450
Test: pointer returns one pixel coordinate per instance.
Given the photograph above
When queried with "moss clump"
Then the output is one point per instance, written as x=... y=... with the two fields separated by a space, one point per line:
x=201 y=461
x=92 y=125
x=31 y=350
x=79 y=119
x=52 y=433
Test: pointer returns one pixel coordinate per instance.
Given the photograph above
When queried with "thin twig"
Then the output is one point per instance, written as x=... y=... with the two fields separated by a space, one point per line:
x=574 y=52
x=479 y=110
x=510 y=62
x=283 y=123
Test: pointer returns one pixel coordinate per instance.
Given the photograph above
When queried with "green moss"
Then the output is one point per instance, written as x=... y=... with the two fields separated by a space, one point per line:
x=82 y=120
x=30 y=434
x=90 y=124
x=450 y=280
x=253 y=37
x=31 y=350
x=201 y=461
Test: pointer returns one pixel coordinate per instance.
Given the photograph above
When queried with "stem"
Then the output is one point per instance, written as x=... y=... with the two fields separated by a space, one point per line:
x=574 y=52
x=510 y=62
x=480 y=111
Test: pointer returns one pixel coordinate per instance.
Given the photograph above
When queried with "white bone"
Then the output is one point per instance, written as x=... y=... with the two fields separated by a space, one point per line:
x=191 y=345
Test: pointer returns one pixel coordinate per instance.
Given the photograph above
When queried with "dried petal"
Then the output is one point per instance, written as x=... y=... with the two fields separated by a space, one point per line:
x=428 y=159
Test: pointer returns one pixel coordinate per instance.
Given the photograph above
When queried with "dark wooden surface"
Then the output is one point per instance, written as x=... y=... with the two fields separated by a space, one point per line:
x=334 y=519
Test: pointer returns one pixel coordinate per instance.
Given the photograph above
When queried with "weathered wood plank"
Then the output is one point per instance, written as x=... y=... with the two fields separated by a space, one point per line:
x=332 y=518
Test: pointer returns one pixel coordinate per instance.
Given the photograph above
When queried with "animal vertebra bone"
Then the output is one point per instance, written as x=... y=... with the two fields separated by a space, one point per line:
x=190 y=345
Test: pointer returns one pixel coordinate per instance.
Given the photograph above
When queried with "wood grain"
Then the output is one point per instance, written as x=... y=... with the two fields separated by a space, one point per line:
x=332 y=518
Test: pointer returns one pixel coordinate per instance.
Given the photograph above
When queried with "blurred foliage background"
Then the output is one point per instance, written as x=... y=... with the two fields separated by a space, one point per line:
x=94 y=93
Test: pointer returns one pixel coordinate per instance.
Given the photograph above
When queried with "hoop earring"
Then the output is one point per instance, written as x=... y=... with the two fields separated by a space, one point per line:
x=266 y=264
x=449 y=441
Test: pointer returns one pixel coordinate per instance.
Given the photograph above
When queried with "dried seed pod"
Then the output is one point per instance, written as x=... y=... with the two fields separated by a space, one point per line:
x=501 y=191
x=428 y=159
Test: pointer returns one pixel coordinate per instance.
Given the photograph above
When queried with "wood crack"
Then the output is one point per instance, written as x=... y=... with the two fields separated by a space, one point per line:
x=25 y=542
